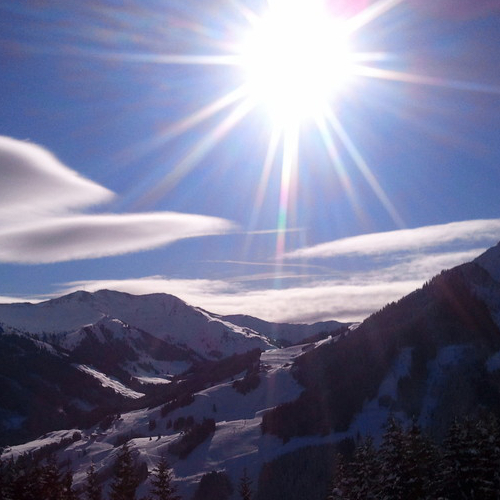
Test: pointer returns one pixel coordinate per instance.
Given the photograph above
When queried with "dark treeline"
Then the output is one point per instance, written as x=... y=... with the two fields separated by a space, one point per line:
x=29 y=478
x=408 y=465
x=338 y=377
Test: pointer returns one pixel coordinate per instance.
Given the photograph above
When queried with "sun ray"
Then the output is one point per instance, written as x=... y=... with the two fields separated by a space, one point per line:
x=399 y=76
x=338 y=164
x=204 y=113
x=189 y=122
x=365 y=169
x=371 y=13
x=132 y=57
x=288 y=173
x=267 y=166
x=334 y=156
x=193 y=157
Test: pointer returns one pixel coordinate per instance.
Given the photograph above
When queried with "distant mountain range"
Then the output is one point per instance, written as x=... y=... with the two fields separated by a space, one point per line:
x=127 y=343
x=114 y=367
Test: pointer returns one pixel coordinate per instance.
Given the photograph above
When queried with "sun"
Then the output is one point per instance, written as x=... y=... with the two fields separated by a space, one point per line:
x=296 y=59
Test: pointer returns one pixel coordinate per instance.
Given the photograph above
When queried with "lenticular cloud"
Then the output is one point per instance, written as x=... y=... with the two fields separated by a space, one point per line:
x=41 y=221
x=92 y=236
x=34 y=181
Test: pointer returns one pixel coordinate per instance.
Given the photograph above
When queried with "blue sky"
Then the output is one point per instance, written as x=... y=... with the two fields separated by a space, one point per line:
x=128 y=160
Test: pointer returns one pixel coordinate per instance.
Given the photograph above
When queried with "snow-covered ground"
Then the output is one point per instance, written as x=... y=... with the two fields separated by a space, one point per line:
x=374 y=415
x=114 y=384
x=237 y=443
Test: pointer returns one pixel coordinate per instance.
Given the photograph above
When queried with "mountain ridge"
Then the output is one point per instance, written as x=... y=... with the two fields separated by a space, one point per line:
x=430 y=357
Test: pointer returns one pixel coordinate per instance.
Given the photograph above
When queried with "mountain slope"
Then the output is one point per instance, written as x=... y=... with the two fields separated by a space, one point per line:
x=434 y=355
x=285 y=334
x=163 y=316
x=123 y=351
x=490 y=261
x=450 y=330
x=41 y=391
x=130 y=345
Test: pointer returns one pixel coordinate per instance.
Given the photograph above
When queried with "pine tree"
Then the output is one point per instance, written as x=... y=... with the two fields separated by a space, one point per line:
x=364 y=472
x=93 y=490
x=7 y=479
x=68 y=493
x=161 y=481
x=27 y=477
x=51 y=481
x=458 y=475
x=341 y=484
x=487 y=433
x=391 y=453
x=125 y=479
x=420 y=465
x=244 y=488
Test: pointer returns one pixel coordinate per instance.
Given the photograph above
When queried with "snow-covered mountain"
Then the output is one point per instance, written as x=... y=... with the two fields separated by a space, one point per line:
x=121 y=350
x=163 y=316
x=132 y=345
x=285 y=334
x=432 y=356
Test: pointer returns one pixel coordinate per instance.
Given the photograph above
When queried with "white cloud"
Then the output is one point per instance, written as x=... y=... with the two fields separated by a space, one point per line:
x=351 y=298
x=423 y=266
x=37 y=194
x=312 y=302
x=90 y=236
x=5 y=299
x=404 y=240
x=34 y=181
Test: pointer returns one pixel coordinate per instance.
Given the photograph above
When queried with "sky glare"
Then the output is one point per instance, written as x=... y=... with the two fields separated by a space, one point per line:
x=141 y=151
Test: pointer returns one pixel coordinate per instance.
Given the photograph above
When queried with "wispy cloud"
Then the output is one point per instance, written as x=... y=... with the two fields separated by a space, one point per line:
x=41 y=220
x=7 y=299
x=90 y=236
x=423 y=266
x=34 y=181
x=347 y=298
x=405 y=240
x=312 y=302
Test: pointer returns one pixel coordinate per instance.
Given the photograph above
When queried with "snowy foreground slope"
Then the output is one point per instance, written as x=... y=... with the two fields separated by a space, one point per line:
x=237 y=442
x=432 y=356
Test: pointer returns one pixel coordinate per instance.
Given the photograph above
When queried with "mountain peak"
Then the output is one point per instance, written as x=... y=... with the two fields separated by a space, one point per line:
x=490 y=261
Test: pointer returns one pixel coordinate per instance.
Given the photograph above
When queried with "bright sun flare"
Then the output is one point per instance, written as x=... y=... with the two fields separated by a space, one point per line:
x=296 y=59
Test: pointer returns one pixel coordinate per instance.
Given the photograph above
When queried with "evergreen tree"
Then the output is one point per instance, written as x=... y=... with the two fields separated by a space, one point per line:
x=364 y=472
x=51 y=481
x=244 y=488
x=161 y=480
x=487 y=433
x=68 y=493
x=7 y=479
x=214 y=485
x=27 y=477
x=391 y=453
x=458 y=473
x=341 y=483
x=93 y=490
x=472 y=460
x=125 y=479
x=420 y=465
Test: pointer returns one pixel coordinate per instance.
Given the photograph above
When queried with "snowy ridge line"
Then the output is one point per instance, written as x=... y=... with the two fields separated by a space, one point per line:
x=106 y=381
